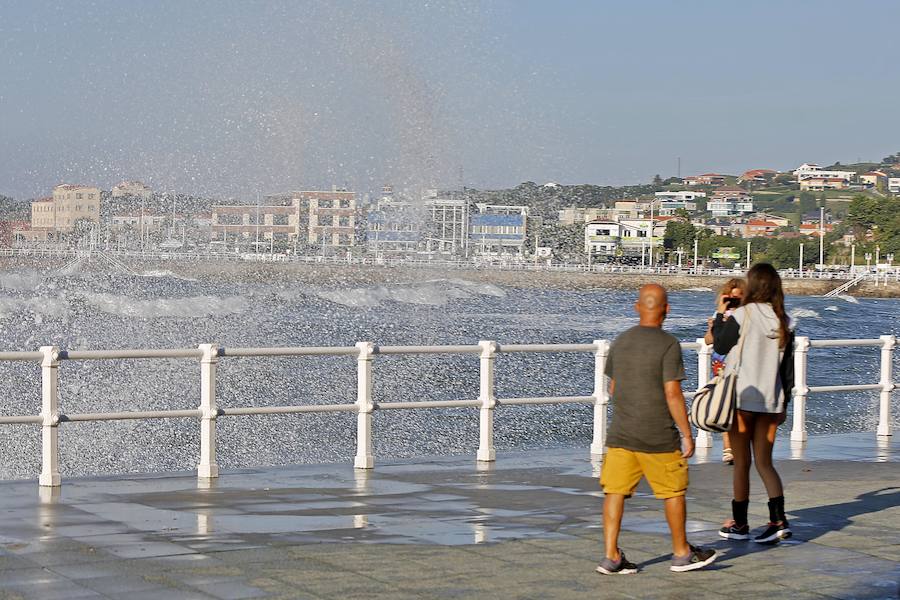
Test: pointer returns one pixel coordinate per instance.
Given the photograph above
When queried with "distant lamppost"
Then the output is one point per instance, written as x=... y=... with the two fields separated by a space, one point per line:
x=877 y=255
x=801 y=259
x=679 y=252
x=852 y=258
x=868 y=261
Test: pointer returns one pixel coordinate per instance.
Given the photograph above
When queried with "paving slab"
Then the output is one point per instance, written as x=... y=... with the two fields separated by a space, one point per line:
x=527 y=526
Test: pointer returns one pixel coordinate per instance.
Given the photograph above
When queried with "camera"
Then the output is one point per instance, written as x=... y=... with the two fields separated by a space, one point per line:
x=732 y=303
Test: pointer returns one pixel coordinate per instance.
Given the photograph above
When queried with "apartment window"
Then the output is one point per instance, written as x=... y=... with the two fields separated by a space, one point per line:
x=344 y=240
x=344 y=221
x=92 y=208
x=279 y=219
x=326 y=204
x=326 y=220
x=79 y=196
x=91 y=196
x=345 y=203
x=77 y=208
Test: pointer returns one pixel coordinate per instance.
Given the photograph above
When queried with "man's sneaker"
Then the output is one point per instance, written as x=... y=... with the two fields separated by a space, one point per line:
x=730 y=531
x=774 y=533
x=619 y=567
x=697 y=559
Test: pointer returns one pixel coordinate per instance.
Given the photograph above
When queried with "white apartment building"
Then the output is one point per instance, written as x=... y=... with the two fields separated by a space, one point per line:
x=894 y=185
x=812 y=170
x=670 y=202
x=730 y=202
x=610 y=237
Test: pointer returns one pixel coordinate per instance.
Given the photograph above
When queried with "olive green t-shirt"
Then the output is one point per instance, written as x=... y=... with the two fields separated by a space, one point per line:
x=640 y=361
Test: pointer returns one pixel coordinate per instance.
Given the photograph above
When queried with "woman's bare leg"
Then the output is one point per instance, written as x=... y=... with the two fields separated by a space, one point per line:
x=740 y=436
x=764 y=429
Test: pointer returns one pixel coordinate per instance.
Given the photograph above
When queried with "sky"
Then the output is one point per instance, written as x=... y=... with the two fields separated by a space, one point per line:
x=234 y=99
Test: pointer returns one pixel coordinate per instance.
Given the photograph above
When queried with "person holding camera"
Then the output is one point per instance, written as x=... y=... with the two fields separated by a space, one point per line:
x=730 y=296
x=765 y=376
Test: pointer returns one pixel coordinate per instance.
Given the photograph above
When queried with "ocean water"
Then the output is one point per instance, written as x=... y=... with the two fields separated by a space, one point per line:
x=158 y=309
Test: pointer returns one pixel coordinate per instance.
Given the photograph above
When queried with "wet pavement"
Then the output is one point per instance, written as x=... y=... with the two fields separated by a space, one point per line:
x=527 y=526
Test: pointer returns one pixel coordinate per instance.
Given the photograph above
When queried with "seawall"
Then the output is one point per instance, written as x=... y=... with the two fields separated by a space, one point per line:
x=357 y=275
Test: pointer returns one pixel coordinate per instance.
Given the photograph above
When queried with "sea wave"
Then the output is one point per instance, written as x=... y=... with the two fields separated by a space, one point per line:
x=804 y=313
x=197 y=306
x=848 y=298
x=427 y=293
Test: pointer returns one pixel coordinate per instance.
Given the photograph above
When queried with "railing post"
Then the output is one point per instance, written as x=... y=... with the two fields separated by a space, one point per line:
x=365 y=406
x=50 y=416
x=801 y=390
x=208 y=469
x=488 y=402
x=888 y=343
x=704 y=439
x=601 y=398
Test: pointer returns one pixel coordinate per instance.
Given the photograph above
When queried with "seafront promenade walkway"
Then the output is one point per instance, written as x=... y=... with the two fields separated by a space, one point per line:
x=527 y=526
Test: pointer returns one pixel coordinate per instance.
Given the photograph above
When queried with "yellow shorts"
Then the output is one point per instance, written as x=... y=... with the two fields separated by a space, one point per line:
x=666 y=472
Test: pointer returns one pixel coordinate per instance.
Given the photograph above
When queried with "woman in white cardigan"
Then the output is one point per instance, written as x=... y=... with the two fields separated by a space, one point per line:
x=764 y=382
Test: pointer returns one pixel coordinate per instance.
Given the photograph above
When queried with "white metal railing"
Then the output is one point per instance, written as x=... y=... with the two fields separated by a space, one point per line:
x=115 y=257
x=365 y=405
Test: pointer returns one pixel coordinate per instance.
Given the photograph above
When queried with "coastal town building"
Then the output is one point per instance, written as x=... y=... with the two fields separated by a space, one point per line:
x=713 y=179
x=69 y=207
x=730 y=202
x=668 y=203
x=257 y=224
x=446 y=223
x=136 y=189
x=574 y=215
x=894 y=185
x=820 y=184
x=499 y=229
x=757 y=177
x=876 y=179
x=332 y=217
x=623 y=237
x=146 y=221
x=395 y=226
x=814 y=171
x=757 y=228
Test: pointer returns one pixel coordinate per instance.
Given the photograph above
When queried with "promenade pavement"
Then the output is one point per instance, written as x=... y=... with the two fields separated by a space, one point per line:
x=528 y=526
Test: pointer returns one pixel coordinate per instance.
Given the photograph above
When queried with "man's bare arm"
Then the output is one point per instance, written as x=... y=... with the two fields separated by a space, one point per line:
x=678 y=410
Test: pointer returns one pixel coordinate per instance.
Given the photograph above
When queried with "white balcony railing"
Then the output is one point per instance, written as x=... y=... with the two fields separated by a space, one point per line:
x=365 y=353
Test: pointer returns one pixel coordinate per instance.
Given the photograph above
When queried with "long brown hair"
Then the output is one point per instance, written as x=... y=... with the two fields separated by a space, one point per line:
x=764 y=285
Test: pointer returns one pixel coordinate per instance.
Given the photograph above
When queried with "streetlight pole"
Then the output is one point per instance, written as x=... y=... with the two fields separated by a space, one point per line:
x=748 y=255
x=877 y=255
x=650 y=234
x=852 y=258
x=821 y=237
x=801 y=260
x=696 y=246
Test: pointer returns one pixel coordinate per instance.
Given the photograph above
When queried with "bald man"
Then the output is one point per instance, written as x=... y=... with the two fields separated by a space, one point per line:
x=646 y=369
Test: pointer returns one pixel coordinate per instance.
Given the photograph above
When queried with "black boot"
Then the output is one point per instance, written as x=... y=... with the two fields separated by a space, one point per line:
x=778 y=528
x=739 y=530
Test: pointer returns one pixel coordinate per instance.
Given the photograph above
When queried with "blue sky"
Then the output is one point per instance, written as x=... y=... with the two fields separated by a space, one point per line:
x=231 y=99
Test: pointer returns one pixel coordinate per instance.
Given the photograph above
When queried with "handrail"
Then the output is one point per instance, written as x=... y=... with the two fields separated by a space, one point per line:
x=209 y=355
